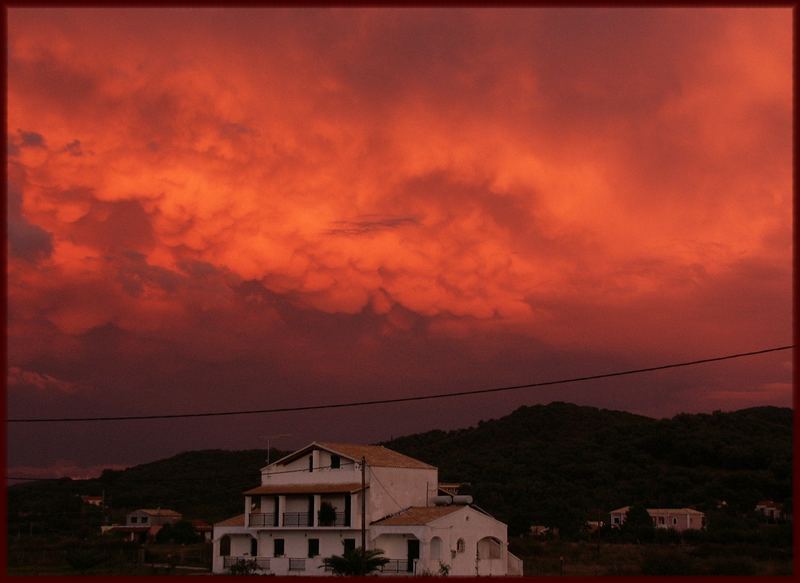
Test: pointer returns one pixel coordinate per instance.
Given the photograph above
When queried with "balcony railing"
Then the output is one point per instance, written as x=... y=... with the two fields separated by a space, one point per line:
x=339 y=520
x=261 y=562
x=398 y=566
x=297 y=564
x=262 y=519
x=297 y=519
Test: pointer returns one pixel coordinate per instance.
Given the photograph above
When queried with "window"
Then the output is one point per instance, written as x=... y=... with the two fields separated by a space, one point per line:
x=674 y=521
x=661 y=520
x=460 y=546
x=349 y=544
x=616 y=520
x=225 y=546
x=278 y=550
x=336 y=462
x=311 y=464
x=144 y=519
x=313 y=547
x=134 y=519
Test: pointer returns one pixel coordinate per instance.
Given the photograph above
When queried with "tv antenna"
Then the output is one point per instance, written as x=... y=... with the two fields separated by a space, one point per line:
x=269 y=438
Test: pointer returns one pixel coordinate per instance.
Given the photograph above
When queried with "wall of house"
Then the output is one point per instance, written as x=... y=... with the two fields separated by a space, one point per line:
x=296 y=542
x=240 y=544
x=471 y=526
x=394 y=489
x=296 y=472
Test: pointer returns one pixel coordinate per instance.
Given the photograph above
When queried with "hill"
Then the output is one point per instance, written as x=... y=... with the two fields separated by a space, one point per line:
x=560 y=463
x=553 y=464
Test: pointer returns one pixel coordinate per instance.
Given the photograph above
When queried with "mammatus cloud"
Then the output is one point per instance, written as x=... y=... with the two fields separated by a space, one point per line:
x=408 y=190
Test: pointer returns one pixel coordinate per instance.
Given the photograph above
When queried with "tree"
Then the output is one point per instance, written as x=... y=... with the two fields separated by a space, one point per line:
x=327 y=514
x=82 y=559
x=638 y=524
x=181 y=532
x=356 y=562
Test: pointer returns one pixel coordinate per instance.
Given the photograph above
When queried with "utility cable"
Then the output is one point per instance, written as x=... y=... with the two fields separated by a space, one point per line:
x=399 y=399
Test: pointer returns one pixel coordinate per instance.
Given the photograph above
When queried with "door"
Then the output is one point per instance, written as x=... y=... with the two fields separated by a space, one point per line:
x=253 y=547
x=413 y=553
x=278 y=549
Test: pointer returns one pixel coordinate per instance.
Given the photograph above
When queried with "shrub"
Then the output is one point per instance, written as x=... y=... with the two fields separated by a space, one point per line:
x=244 y=567
x=83 y=559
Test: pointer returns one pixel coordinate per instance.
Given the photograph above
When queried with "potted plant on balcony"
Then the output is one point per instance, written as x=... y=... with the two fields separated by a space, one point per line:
x=326 y=514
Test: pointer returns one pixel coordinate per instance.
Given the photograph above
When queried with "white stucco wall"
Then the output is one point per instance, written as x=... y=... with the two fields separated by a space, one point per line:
x=395 y=489
x=296 y=471
x=467 y=524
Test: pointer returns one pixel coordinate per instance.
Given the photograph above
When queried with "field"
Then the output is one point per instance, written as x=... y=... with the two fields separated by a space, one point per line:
x=600 y=559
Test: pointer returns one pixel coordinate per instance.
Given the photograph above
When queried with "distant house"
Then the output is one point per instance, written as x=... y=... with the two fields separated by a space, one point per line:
x=309 y=506
x=93 y=500
x=152 y=517
x=676 y=518
x=771 y=510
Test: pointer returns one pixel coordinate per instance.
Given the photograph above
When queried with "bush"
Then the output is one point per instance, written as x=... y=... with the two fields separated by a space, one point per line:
x=692 y=536
x=244 y=567
x=181 y=533
x=83 y=559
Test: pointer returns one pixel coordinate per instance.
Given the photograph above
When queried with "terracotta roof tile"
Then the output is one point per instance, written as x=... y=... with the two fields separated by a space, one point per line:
x=418 y=515
x=305 y=488
x=232 y=521
x=159 y=512
x=376 y=455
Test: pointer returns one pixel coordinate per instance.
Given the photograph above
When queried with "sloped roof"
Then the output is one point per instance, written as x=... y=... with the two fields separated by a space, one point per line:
x=232 y=521
x=305 y=489
x=625 y=509
x=418 y=515
x=128 y=528
x=159 y=512
x=376 y=455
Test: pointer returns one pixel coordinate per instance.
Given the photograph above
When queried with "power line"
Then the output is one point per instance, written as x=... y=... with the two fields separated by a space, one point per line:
x=399 y=399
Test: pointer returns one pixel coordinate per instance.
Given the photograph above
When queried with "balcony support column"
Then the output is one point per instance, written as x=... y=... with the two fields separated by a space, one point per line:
x=281 y=509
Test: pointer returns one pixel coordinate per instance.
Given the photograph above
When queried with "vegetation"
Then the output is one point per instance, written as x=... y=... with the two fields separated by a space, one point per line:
x=561 y=464
x=244 y=567
x=181 y=532
x=354 y=562
x=327 y=514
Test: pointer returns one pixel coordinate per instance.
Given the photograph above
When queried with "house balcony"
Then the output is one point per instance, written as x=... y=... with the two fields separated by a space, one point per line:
x=262 y=519
x=304 y=519
x=295 y=519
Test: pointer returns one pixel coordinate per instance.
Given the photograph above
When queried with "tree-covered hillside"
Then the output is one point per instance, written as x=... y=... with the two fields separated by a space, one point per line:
x=560 y=464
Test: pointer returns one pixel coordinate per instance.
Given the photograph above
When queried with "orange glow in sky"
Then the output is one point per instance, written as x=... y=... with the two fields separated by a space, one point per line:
x=225 y=207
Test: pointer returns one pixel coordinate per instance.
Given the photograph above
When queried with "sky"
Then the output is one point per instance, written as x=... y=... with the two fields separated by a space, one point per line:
x=221 y=209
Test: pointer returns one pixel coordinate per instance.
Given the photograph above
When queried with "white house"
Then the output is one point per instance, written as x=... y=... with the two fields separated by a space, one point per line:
x=308 y=507
x=679 y=519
